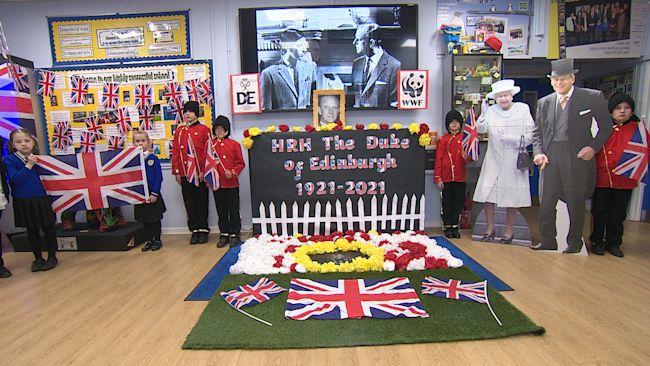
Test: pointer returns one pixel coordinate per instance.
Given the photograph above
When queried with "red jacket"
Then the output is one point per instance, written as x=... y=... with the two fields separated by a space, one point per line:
x=229 y=152
x=199 y=134
x=450 y=164
x=608 y=157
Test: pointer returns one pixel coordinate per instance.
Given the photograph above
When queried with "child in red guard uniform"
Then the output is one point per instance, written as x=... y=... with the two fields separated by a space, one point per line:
x=226 y=198
x=613 y=192
x=449 y=173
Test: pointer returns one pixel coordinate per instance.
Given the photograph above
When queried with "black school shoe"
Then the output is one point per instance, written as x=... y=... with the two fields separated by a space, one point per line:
x=4 y=272
x=37 y=265
x=223 y=241
x=235 y=240
x=203 y=238
x=195 y=237
x=156 y=245
x=147 y=246
x=50 y=263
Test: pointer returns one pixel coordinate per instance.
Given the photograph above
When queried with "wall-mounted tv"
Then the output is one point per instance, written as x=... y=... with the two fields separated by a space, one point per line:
x=357 y=48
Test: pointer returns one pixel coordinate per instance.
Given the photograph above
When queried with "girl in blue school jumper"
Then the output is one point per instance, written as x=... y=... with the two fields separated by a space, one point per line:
x=150 y=213
x=30 y=202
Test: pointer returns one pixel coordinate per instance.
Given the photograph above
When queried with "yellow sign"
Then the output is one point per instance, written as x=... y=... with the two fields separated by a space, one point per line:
x=123 y=37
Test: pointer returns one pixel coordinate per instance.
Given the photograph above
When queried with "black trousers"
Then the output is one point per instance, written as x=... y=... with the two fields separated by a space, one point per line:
x=453 y=200
x=153 y=230
x=609 y=210
x=35 y=241
x=565 y=178
x=196 y=205
x=227 y=202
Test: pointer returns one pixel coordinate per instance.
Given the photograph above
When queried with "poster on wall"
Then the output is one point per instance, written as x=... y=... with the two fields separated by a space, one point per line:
x=119 y=37
x=320 y=182
x=507 y=20
x=601 y=29
x=245 y=93
x=98 y=108
x=413 y=89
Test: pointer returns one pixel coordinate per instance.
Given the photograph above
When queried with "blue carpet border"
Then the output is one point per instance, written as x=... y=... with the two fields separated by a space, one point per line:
x=210 y=283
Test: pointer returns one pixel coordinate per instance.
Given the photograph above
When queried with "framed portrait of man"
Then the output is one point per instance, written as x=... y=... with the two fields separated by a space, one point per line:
x=329 y=107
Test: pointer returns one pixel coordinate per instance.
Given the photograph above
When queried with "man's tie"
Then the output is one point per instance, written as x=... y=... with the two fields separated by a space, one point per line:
x=564 y=99
x=366 y=72
x=296 y=80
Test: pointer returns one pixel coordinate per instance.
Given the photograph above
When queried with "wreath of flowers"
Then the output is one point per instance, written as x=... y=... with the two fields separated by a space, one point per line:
x=421 y=129
x=267 y=254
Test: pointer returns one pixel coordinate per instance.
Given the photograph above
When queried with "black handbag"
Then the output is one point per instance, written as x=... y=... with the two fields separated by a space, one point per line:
x=524 y=161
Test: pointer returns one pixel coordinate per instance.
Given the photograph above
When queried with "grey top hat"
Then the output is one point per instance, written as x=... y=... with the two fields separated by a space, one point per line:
x=562 y=67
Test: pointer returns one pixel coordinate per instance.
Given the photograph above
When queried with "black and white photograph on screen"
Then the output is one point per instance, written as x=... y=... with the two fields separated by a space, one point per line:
x=354 y=49
x=329 y=107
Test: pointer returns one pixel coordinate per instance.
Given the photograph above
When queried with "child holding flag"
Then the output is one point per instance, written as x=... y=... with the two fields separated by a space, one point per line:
x=613 y=186
x=226 y=198
x=450 y=174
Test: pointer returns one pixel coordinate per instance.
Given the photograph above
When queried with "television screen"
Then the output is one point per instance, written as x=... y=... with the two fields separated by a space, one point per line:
x=357 y=49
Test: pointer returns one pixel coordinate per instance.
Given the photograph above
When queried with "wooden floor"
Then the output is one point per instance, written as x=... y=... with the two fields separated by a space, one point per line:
x=127 y=308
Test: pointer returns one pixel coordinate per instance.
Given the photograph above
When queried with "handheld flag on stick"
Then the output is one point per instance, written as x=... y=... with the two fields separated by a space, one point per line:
x=191 y=165
x=211 y=175
x=252 y=294
x=470 y=136
x=634 y=161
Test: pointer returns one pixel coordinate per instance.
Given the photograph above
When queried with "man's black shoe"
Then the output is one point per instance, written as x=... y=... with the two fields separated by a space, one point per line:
x=540 y=246
x=156 y=245
x=147 y=246
x=37 y=265
x=614 y=250
x=573 y=248
x=598 y=248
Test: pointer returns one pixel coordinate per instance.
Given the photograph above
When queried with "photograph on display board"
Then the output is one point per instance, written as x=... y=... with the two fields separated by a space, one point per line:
x=329 y=107
x=355 y=49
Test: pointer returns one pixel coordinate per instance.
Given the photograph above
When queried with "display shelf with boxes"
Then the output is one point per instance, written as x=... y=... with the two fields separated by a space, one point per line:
x=472 y=79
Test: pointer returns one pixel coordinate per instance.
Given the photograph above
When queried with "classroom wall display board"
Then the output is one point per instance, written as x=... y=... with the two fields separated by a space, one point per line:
x=89 y=109
x=119 y=37
x=321 y=182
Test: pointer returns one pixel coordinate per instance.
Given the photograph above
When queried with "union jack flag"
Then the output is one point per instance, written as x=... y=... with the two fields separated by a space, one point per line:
x=19 y=75
x=205 y=94
x=79 y=87
x=470 y=136
x=353 y=298
x=193 y=89
x=211 y=175
x=87 y=142
x=146 y=120
x=46 y=80
x=123 y=120
x=95 y=180
x=253 y=293
x=62 y=135
x=173 y=91
x=93 y=126
x=110 y=95
x=634 y=161
x=15 y=111
x=176 y=109
x=143 y=97
x=455 y=289
x=116 y=142
x=192 y=164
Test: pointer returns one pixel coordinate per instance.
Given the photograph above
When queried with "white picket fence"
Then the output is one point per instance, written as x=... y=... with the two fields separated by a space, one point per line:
x=336 y=217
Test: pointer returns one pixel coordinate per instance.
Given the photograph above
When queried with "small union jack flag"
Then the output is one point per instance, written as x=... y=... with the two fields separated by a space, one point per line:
x=93 y=181
x=93 y=126
x=211 y=175
x=146 y=120
x=192 y=164
x=123 y=120
x=353 y=298
x=176 y=109
x=455 y=289
x=116 y=142
x=111 y=95
x=143 y=97
x=19 y=75
x=62 y=135
x=253 y=293
x=79 y=87
x=46 y=80
x=173 y=91
x=193 y=89
x=205 y=94
x=470 y=136
x=634 y=161
x=87 y=142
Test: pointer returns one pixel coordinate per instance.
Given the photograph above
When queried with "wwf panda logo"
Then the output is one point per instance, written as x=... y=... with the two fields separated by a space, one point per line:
x=413 y=85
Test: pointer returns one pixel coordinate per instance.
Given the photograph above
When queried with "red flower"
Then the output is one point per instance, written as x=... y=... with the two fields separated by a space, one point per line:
x=434 y=263
x=396 y=232
x=365 y=236
x=278 y=261
x=310 y=128
x=391 y=255
x=337 y=234
x=359 y=127
x=303 y=239
x=424 y=128
x=349 y=232
x=293 y=267
x=246 y=133
x=417 y=250
x=384 y=242
x=384 y=126
x=291 y=249
x=402 y=261
x=283 y=128
x=422 y=232
x=338 y=127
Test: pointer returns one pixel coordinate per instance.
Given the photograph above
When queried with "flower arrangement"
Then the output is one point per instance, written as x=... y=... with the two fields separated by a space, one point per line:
x=421 y=129
x=266 y=254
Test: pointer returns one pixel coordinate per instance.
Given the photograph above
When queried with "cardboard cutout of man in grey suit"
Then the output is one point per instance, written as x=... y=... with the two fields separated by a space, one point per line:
x=374 y=74
x=565 y=141
x=278 y=84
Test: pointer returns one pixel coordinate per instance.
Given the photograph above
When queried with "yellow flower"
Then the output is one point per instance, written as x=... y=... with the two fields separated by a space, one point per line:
x=373 y=232
x=373 y=126
x=348 y=128
x=396 y=126
x=374 y=262
x=247 y=142
x=424 y=139
x=295 y=128
x=297 y=235
x=271 y=128
x=318 y=129
x=255 y=131
x=414 y=128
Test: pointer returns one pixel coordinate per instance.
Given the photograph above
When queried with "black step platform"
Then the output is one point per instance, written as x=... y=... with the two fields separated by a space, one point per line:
x=122 y=238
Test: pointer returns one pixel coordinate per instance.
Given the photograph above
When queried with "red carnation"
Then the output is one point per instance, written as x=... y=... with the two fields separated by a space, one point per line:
x=293 y=267
x=365 y=236
x=338 y=127
x=424 y=128
x=417 y=250
x=278 y=261
x=402 y=261
x=337 y=234
x=283 y=128
x=246 y=133
x=349 y=232
x=384 y=242
x=390 y=255
x=421 y=232
x=310 y=128
x=384 y=126
x=291 y=249
x=396 y=232
x=302 y=239
x=359 y=127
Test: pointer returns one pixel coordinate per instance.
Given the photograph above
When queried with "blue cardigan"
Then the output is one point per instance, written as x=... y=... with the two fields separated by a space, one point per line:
x=24 y=182
x=154 y=174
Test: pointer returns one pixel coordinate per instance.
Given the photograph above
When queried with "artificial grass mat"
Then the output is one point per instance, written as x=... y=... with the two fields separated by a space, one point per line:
x=222 y=327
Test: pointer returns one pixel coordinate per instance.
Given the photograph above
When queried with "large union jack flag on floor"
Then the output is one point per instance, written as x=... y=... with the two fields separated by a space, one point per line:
x=470 y=136
x=455 y=289
x=253 y=293
x=353 y=298
x=634 y=161
x=94 y=180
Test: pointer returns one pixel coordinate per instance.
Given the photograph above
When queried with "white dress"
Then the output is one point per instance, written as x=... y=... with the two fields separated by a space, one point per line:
x=500 y=181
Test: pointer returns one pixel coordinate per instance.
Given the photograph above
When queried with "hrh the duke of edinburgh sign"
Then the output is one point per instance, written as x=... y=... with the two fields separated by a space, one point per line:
x=320 y=182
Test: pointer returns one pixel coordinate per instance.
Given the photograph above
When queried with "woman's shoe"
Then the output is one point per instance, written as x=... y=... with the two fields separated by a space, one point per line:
x=488 y=236
x=506 y=240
